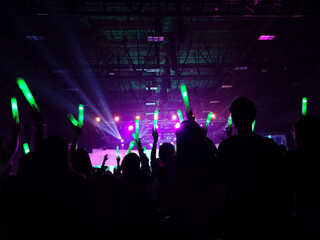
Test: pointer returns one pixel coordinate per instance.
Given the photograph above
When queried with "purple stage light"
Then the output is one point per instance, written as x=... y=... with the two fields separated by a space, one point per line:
x=130 y=128
x=266 y=37
x=177 y=125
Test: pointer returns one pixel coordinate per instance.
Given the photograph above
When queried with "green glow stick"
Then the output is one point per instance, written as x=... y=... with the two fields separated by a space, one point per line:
x=144 y=149
x=304 y=106
x=180 y=115
x=27 y=94
x=137 y=127
x=185 y=97
x=80 y=116
x=134 y=135
x=253 y=125
x=26 y=148
x=117 y=148
x=208 y=121
x=72 y=119
x=155 y=119
x=131 y=145
x=230 y=121
x=14 y=108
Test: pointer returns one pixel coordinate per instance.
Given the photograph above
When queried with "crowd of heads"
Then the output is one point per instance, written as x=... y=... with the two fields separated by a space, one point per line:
x=249 y=187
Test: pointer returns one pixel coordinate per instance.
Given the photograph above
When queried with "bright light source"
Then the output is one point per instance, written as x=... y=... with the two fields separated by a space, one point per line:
x=266 y=37
x=26 y=148
x=150 y=103
x=177 y=125
x=304 y=106
x=137 y=117
x=213 y=116
x=226 y=86
x=174 y=117
x=116 y=118
x=130 y=128
x=122 y=140
x=155 y=39
x=214 y=101
x=97 y=119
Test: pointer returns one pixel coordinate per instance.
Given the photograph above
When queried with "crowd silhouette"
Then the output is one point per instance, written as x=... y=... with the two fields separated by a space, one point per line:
x=248 y=188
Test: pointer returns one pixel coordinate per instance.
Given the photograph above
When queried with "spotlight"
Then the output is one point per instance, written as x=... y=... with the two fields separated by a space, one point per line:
x=98 y=119
x=137 y=117
x=116 y=118
x=177 y=125
x=213 y=116
x=130 y=128
x=122 y=140
x=174 y=117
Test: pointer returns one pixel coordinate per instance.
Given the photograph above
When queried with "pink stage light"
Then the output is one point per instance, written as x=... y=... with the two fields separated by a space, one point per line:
x=116 y=118
x=266 y=37
x=98 y=119
x=174 y=117
x=130 y=128
x=177 y=125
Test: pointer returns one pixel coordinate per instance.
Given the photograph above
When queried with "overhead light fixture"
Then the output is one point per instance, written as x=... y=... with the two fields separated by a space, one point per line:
x=226 y=86
x=214 y=101
x=242 y=68
x=155 y=39
x=151 y=103
x=266 y=37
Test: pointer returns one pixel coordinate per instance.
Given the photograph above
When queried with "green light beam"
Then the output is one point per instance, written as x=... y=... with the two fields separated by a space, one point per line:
x=27 y=94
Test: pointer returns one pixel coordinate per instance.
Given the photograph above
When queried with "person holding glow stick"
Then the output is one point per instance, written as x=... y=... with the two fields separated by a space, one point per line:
x=137 y=127
x=180 y=116
x=304 y=106
x=80 y=116
x=205 y=128
x=155 y=119
x=14 y=108
x=26 y=92
x=185 y=97
x=247 y=167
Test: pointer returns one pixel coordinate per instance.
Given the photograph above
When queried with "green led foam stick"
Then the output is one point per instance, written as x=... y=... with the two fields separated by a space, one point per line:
x=26 y=148
x=304 y=106
x=133 y=135
x=230 y=121
x=144 y=149
x=208 y=121
x=117 y=148
x=185 y=97
x=80 y=116
x=180 y=115
x=155 y=119
x=131 y=145
x=137 y=127
x=14 y=108
x=72 y=119
x=253 y=125
x=26 y=92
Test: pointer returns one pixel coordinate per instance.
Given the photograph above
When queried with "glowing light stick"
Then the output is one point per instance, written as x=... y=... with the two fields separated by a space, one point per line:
x=26 y=148
x=131 y=145
x=27 y=94
x=208 y=120
x=117 y=148
x=80 y=116
x=134 y=135
x=304 y=106
x=72 y=119
x=137 y=127
x=185 y=97
x=253 y=125
x=144 y=149
x=230 y=121
x=155 y=119
x=14 y=108
x=180 y=115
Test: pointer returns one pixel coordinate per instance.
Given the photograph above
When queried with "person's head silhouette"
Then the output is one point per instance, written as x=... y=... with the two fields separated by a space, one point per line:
x=165 y=151
x=243 y=112
x=130 y=165
x=307 y=131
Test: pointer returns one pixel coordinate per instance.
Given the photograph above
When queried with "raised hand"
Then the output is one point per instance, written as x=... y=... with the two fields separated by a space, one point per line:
x=155 y=135
x=190 y=115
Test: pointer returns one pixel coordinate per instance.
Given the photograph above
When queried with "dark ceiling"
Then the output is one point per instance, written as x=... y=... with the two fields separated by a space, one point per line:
x=98 y=53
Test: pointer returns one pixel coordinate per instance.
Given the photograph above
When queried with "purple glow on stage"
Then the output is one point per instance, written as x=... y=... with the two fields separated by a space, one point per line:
x=130 y=128
x=266 y=37
x=177 y=125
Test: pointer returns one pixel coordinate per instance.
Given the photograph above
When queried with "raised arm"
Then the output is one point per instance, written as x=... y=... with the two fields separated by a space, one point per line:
x=154 y=149
x=77 y=130
x=8 y=152
x=145 y=168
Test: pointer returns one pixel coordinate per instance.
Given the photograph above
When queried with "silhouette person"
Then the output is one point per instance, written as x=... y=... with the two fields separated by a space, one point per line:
x=247 y=176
